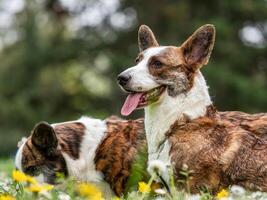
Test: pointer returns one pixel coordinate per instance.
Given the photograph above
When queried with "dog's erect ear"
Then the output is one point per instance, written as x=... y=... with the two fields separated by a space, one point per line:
x=146 y=38
x=44 y=137
x=197 y=48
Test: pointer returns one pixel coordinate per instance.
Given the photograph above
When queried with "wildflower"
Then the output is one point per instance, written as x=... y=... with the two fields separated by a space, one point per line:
x=194 y=197
x=116 y=198
x=6 y=197
x=222 y=194
x=4 y=186
x=90 y=191
x=143 y=187
x=237 y=190
x=19 y=176
x=257 y=195
x=157 y=166
x=40 y=188
x=31 y=180
x=63 y=196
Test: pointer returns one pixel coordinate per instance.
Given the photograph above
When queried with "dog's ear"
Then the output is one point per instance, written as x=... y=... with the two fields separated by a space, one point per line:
x=44 y=137
x=146 y=38
x=198 y=47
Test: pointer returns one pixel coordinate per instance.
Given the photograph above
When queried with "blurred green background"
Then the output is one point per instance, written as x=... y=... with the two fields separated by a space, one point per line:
x=59 y=58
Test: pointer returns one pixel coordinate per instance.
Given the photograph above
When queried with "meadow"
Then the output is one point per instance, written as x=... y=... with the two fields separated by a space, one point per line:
x=60 y=60
x=16 y=185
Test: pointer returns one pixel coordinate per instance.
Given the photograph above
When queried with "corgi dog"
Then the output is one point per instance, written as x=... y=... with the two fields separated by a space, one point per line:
x=91 y=150
x=183 y=128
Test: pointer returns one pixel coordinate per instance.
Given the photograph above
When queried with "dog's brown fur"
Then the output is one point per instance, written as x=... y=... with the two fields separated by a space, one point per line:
x=116 y=153
x=219 y=152
x=254 y=123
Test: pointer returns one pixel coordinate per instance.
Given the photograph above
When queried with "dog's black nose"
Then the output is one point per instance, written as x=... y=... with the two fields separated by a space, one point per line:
x=123 y=79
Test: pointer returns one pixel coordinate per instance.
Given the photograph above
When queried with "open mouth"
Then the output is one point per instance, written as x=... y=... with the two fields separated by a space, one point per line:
x=136 y=100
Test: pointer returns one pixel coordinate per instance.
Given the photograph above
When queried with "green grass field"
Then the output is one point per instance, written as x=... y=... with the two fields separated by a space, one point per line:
x=14 y=187
x=6 y=165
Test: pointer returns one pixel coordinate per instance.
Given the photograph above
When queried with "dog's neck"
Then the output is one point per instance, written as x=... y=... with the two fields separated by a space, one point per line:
x=160 y=116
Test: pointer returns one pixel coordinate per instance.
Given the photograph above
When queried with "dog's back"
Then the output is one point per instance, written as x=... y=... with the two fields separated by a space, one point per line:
x=221 y=150
x=254 y=123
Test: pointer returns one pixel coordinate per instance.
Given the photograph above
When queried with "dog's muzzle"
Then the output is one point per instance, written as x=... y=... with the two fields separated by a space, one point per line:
x=123 y=79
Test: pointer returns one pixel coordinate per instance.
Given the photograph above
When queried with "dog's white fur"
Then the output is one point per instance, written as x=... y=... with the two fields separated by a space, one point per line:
x=161 y=115
x=84 y=167
x=18 y=158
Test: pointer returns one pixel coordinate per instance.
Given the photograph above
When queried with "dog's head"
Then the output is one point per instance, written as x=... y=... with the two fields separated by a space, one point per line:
x=164 y=68
x=39 y=154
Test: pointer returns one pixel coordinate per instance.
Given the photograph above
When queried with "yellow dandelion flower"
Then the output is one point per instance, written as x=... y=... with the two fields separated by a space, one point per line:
x=89 y=190
x=31 y=180
x=143 y=187
x=6 y=197
x=97 y=196
x=39 y=188
x=60 y=175
x=19 y=176
x=222 y=194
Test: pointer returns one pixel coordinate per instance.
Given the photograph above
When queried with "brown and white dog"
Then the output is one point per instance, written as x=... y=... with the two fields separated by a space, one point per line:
x=91 y=150
x=182 y=126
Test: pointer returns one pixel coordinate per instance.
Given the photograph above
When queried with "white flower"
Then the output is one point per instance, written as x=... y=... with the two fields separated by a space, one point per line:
x=63 y=196
x=160 y=198
x=237 y=190
x=157 y=166
x=4 y=186
x=256 y=195
x=194 y=197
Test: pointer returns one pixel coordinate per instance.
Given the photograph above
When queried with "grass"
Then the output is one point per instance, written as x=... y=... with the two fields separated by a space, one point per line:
x=6 y=165
x=68 y=189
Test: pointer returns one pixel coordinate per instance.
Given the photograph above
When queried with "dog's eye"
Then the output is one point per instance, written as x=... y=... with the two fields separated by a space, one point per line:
x=137 y=60
x=157 y=64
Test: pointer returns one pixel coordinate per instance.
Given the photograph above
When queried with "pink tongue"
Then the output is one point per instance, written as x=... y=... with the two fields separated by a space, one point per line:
x=130 y=103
